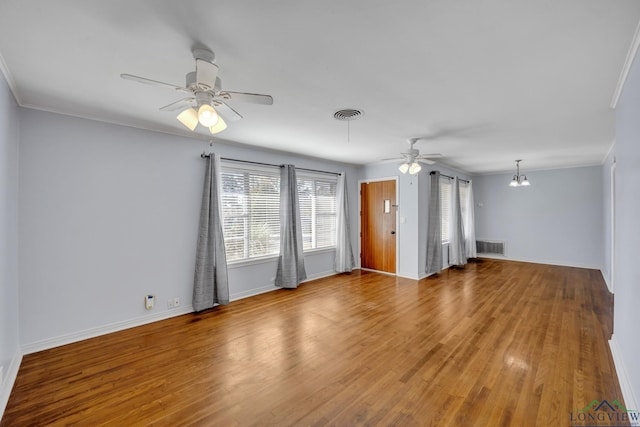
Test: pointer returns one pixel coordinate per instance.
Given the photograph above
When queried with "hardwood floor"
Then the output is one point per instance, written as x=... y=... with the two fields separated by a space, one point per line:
x=498 y=343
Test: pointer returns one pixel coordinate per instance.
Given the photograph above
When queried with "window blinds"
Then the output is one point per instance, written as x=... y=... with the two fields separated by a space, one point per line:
x=251 y=210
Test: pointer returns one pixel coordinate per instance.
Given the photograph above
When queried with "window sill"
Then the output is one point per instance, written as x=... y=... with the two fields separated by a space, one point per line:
x=320 y=251
x=271 y=258
x=252 y=261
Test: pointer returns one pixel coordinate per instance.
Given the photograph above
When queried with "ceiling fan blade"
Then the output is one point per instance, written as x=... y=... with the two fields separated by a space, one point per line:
x=427 y=161
x=253 y=98
x=431 y=156
x=227 y=111
x=182 y=103
x=146 y=81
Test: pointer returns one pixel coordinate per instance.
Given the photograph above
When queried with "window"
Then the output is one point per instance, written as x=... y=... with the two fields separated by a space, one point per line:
x=317 y=197
x=446 y=190
x=445 y=207
x=251 y=211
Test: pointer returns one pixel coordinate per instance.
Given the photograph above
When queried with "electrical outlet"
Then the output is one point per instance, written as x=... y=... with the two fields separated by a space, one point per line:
x=149 y=301
x=176 y=302
x=170 y=303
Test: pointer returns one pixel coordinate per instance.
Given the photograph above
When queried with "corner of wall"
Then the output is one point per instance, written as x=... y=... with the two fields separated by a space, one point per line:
x=607 y=279
x=6 y=383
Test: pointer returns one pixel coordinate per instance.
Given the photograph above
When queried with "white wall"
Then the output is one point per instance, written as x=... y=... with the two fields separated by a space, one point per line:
x=557 y=220
x=9 y=341
x=627 y=236
x=109 y=214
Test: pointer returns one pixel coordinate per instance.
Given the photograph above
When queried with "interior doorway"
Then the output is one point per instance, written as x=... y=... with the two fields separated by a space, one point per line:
x=378 y=212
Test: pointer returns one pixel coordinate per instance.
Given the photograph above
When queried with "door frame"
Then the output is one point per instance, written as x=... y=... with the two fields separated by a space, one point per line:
x=612 y=267
x=359 y=257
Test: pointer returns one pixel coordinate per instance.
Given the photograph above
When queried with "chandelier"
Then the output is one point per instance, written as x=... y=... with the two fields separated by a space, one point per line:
x=519 y=180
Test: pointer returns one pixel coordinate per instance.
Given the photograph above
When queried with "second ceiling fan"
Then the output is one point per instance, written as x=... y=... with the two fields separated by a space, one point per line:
x=412 y=157
x=206 y=101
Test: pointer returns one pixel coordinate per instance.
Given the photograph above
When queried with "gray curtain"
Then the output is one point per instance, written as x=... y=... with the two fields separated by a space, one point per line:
x=434 y=232
x=457 y=251
x=344 y=253
x=291 y=269
x=469 y=224
x=210 y=283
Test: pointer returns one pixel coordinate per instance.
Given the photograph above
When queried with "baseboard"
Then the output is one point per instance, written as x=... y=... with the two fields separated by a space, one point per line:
x=9 y=379
x=143 y=320
x=103 y=330
x=252 y=292
x=630 y=401
x=607 y=280
x=541 y=261
x=378 y=271
x=408 y=277
x=425 y=275
x=320 y=275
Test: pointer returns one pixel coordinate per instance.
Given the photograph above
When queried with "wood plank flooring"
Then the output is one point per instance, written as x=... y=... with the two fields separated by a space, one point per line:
x=496 y=344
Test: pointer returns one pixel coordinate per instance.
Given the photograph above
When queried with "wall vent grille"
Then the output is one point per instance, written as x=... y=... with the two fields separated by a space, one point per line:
x=491 y=247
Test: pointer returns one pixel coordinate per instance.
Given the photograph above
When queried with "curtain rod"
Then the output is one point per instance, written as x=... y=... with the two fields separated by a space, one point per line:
x=450 y=177
x=204 y=156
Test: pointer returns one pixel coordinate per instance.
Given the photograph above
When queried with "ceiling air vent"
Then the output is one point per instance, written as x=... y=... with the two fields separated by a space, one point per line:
x=347 y=114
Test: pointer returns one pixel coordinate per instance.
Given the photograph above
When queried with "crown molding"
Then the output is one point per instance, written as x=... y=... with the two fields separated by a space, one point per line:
x=631 y=54
x=4 y=69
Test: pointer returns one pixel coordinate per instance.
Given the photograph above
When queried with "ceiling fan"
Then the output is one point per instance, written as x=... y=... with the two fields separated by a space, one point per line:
x=206 y=101
x=412 y=157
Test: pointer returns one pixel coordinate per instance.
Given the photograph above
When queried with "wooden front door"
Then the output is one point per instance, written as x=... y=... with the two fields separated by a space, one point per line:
x=378 y=222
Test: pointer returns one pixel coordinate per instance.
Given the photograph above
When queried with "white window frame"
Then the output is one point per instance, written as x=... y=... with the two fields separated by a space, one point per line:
x=248 y=171
x=320 y=179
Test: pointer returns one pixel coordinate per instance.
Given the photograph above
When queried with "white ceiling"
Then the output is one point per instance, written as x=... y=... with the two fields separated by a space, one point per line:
x=489 y=81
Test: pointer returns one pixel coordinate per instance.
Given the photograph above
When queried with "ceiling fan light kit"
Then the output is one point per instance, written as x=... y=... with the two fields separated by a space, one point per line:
x=189 y=118
x=207 y=115
x=207 y=102
x=411 y=158
x=414 y=168
x=519 y=180
x=218 y=127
